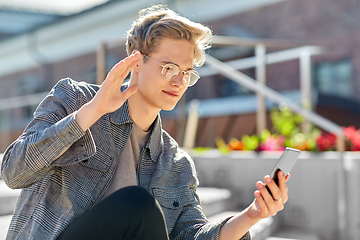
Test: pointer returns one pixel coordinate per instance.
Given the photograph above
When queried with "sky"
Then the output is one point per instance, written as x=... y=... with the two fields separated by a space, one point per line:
x=60 y=7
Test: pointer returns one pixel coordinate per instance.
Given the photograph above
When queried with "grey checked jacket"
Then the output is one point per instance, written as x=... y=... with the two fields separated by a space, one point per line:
x=58 y=190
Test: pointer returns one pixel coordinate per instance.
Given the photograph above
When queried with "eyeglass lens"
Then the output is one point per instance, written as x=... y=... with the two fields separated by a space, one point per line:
x=171 y=71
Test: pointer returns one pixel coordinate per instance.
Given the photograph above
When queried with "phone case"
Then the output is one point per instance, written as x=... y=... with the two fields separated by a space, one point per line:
x=286 y=162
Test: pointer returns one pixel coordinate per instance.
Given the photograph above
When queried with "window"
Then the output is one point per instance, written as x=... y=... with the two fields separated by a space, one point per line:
x=335 y=78
x=230 y=88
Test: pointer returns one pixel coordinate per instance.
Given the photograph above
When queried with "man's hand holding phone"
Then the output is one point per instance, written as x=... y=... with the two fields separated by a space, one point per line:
x=266 y=205
x=271 y=195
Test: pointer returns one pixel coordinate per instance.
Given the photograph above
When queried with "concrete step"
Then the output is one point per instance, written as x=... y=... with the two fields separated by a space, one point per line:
x=8 y=199
x=214 y=200
x=270 y=229
x=4 y=225
x=292 y=233
x=260 y=231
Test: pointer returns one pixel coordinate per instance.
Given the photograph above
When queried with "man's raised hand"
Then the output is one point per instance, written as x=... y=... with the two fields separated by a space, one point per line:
x=109 y=98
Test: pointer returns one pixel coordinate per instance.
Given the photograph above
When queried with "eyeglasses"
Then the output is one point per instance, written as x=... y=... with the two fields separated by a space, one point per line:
x=170 y=71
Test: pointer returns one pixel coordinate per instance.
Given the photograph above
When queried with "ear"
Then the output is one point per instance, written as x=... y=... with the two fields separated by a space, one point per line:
x=137 y=67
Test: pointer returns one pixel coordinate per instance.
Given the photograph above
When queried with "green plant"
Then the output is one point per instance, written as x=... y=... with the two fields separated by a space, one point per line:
x=286 y=132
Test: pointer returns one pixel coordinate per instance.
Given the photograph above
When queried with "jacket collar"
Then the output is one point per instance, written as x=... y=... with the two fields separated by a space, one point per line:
x=121 y=116
x=156 y=141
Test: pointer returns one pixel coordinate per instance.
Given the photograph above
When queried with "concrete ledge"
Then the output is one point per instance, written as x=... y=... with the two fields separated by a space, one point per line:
x=4 y=225
x=264 y=228
x=260 y=231
x=8 y=198
x=214 y=200
x=293 y=233
x=239 y=171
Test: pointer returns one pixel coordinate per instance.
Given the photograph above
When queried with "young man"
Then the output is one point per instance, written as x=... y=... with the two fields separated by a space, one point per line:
x=94 y=158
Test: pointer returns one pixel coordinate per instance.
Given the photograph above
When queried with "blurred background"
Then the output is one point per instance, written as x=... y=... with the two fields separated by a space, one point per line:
x=306 y=51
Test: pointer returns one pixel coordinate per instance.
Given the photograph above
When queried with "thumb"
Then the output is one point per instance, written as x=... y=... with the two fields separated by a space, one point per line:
x=287 y=177
x=130 y=91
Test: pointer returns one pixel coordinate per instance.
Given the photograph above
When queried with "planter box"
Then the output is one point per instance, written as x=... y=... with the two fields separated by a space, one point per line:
x=317 y=182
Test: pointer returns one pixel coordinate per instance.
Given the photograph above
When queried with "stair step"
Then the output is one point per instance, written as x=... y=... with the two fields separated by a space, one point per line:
x=4 y=225
x=293 y=238
x=280 y=238
x=8 y=199
x=293 y=234
x=221 y=216
x=214 y=200
x=262 y=230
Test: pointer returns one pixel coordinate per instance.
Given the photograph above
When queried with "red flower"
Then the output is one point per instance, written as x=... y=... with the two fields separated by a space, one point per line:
x=353 y=137
x=351 y=133
x=326 y=142
x=355 y=142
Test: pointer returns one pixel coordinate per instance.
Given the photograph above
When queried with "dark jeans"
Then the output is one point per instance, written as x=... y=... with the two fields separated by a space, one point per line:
x=130 y=213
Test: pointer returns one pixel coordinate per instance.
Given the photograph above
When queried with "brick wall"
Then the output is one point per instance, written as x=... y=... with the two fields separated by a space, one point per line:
x=332 y=23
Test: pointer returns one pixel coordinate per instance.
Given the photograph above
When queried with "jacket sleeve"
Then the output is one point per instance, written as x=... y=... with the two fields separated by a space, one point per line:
x=53 y=130
x=193 y=225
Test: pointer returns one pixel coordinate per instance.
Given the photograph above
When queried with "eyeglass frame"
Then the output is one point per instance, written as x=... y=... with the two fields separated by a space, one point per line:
x=192 y=71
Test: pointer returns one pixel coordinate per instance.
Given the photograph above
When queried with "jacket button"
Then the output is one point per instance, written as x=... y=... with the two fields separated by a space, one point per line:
x=175 y=204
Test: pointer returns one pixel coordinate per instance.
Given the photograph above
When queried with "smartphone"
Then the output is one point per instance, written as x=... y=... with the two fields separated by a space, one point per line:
x=285 y=163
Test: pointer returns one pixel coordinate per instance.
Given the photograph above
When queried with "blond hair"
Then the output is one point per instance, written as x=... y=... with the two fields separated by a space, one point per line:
x=158 y=22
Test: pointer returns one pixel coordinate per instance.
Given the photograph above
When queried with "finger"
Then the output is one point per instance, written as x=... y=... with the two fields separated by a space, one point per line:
x=121 y=65
x=276 y=202
x=287 y=177
x=268 y=199
x=130 y=67
x=121 y=69
x=130 y=91
x=124 y=69
x=261 y=204
x=275 y=190
x=283 y=186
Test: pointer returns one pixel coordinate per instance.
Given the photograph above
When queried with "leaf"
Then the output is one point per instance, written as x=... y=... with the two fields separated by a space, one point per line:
x=221 y=145
x=265 y=134
x=250 y=142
